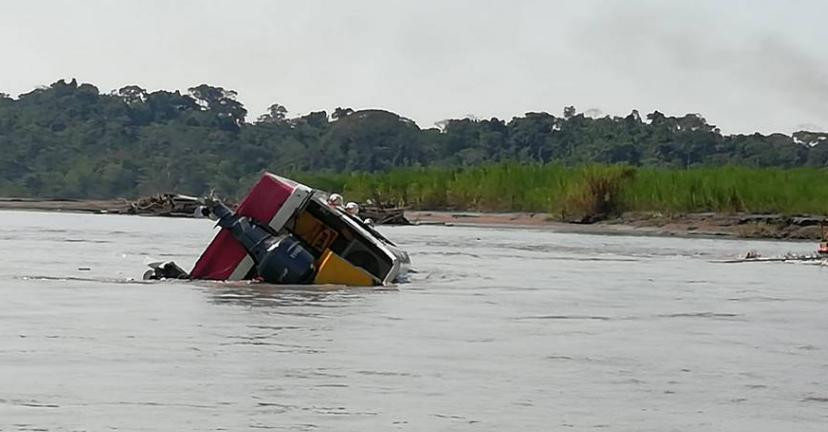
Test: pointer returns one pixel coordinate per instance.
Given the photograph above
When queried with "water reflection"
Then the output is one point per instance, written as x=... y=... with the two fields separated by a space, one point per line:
x=254 y=294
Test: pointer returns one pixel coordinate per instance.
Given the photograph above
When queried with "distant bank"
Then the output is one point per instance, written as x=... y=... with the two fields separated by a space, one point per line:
x=729 y=225
x=703 y=225
x=71 y=140
x=731 y=201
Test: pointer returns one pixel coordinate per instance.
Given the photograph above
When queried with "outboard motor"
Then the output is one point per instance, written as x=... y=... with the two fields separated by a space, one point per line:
x=280 y=259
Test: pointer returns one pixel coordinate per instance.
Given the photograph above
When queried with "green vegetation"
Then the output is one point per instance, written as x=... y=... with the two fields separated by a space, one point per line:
x=69 y=140
x=591 y=192
x=730 y=189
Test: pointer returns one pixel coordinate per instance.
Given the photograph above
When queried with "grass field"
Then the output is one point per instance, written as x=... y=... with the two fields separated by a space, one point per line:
x=589 y=192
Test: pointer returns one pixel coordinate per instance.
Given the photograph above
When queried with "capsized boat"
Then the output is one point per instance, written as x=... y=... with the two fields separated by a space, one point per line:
x=285 y=232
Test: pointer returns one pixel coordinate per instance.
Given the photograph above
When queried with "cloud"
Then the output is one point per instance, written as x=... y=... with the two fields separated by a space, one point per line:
x=694 y=58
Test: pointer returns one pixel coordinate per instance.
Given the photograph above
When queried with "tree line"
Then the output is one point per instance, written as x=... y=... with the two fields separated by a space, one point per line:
x=71 y=140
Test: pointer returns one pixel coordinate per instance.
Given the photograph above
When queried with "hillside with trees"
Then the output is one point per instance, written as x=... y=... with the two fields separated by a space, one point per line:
x=70 y=140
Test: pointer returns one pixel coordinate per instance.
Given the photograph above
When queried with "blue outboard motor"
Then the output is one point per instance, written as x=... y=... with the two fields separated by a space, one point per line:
x=280 y=259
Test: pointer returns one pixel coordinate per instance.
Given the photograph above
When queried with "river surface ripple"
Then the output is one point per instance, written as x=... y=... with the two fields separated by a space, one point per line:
x=499 y=329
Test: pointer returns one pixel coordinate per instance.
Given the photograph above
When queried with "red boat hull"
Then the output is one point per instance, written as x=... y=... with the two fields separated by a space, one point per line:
x=272 y=201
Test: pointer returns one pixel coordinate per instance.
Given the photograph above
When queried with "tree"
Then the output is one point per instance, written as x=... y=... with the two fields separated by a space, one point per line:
x=275 y=114
x=220 y=102
x=340 y=112
x=132 y=94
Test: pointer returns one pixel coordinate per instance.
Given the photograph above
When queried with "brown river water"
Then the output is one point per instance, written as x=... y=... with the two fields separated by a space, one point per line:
x=498 y=330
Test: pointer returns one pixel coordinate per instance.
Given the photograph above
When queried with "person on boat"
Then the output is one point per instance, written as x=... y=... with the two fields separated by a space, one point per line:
x=335 y=200
x=352 y=208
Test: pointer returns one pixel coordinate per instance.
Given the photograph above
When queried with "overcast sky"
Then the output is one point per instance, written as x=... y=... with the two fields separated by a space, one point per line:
x=746 y=65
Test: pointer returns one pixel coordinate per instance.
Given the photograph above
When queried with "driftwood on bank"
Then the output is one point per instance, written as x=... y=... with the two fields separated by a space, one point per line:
x=170 y=205
x=382 y=215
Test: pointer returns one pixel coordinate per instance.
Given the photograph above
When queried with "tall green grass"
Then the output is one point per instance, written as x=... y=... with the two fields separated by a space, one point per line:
x=730 y=189
x=588 y=192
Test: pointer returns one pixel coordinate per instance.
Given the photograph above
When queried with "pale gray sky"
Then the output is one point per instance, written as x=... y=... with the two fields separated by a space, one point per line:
x=747 y=65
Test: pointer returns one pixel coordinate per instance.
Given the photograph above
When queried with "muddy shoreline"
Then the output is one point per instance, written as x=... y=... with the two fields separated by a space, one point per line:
x=736 y=225
x=165 y=205
x=116 y=206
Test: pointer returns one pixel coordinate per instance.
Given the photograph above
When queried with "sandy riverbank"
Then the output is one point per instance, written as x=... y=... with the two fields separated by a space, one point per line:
x=167 y=205
x=738 y=225
x=116 y=206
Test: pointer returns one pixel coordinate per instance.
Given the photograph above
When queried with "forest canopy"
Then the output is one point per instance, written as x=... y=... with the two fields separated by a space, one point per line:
x=71 y=140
